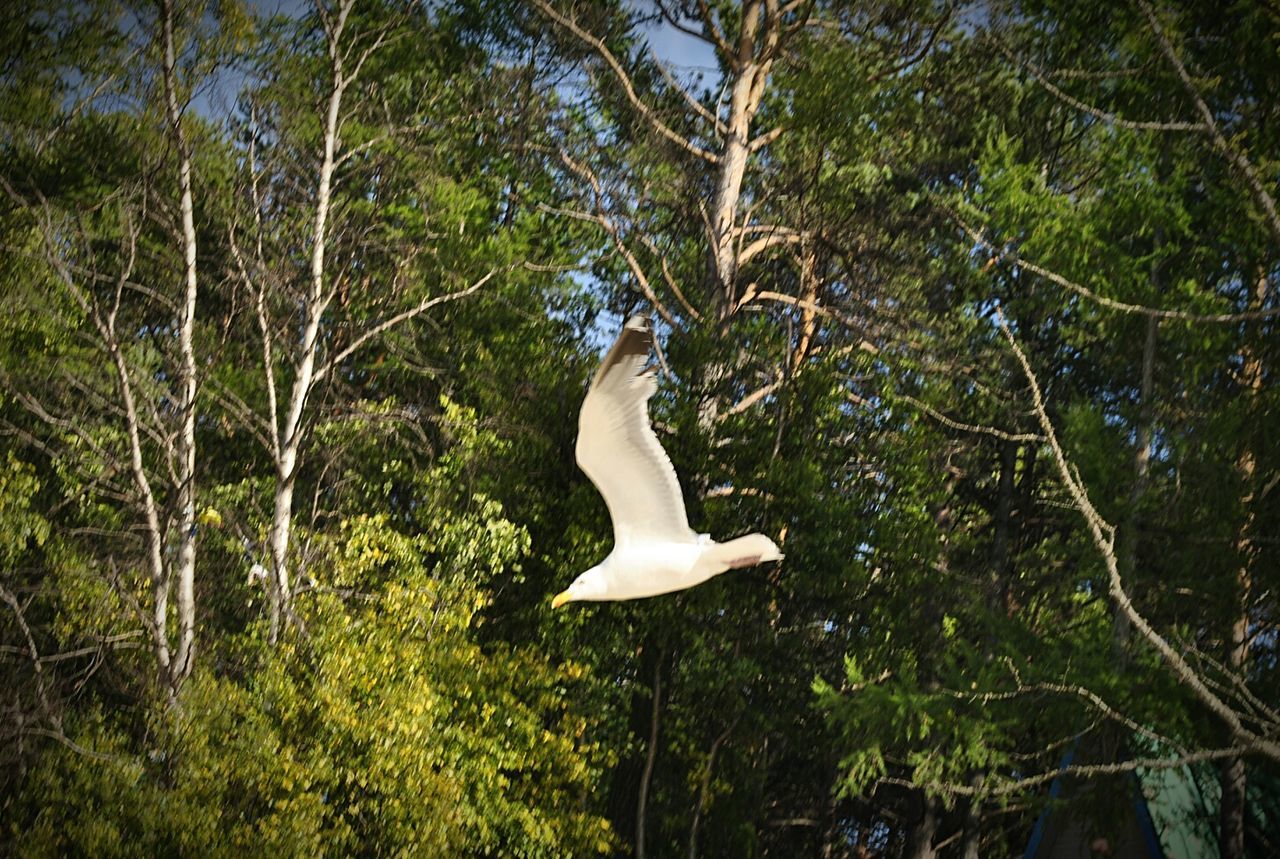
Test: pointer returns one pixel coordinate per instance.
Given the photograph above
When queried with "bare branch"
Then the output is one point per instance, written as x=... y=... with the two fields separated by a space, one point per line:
x=404 y=316
x=69 y=743
x=41 y=691
x=637 y=271
x=605 y=54
x=716 y=34
x=669 y=278
x=973 y=428
x=753 y=293
x=1104 y=540
x=776 y=237
x=1111 y=118
x=1010 y=786
x=264 y=328
x=765 y=139
x=1014 y=258
x=710 y=117
x=123 y=639
x=751 y=399
x=250 y=420
x=1233 y=155
x=608 y=225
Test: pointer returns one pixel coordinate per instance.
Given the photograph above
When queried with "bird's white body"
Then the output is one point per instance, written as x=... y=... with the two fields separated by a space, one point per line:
x=649 y=568
x=655 y=551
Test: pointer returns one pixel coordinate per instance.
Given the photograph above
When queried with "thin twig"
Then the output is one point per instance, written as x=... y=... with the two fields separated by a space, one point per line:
x=1234 y=156
x=1016 y=259
x=627 y=86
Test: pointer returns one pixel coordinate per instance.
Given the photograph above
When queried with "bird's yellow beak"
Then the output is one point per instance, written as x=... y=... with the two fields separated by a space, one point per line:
x=560 y=599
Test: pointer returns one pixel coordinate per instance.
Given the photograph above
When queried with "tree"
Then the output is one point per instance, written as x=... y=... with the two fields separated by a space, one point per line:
x=346 y=249
x=1117 y=254
x=114 y=232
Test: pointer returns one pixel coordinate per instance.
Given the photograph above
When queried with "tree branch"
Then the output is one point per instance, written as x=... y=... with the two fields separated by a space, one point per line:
x=1234 y=156
x=1014 y=258
x=1106 y=116
x=1104 y=540
x=627 y=86
x=391 y=322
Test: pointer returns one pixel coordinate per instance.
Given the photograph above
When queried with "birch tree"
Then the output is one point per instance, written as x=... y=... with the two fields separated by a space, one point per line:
x=125 y=261
x=293 y=181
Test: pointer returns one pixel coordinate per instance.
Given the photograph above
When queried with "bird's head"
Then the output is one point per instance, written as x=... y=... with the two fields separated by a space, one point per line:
x=588 y=586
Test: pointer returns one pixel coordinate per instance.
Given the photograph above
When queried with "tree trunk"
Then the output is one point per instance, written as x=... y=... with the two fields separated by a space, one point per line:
x=651 y=755
x=920 y=838
x=997 y=595
x=1232 y=811
x=289 y=437
x=1000 y=544
x=1138 y=489
x=1232 y=776
x=186 y=443
x=752 y=57
x=971 y=846
x=281 y=527
x=724 y=206
x=704 y=788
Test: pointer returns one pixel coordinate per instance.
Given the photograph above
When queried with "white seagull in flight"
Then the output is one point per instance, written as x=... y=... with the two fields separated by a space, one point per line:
x=654 y=550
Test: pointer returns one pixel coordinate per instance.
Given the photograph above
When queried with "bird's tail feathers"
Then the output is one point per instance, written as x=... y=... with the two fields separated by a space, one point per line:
x=745 y=552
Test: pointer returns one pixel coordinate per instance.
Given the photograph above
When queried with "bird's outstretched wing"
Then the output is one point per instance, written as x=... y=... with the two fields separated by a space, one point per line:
x=619 y=451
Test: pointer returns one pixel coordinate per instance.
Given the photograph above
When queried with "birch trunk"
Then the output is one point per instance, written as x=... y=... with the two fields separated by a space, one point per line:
x=186 y=441
x=158 y=622
x=289 y=436
x=749 y=60
x=758 y=40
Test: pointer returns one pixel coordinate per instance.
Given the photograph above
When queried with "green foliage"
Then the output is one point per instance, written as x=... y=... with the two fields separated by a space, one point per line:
x=387 y=727
x=19 y=524
x=942 y=616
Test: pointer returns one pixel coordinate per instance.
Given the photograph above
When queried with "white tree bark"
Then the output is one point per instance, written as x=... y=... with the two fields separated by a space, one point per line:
x=750 y=62
x=288 y=437
x=187 y=382
x=290 y=417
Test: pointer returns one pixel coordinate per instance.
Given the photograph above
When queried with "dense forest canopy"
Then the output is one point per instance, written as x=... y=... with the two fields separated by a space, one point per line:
x=971 y=306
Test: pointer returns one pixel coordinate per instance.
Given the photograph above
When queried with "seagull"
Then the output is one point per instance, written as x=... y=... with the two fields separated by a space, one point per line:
x=654 y=550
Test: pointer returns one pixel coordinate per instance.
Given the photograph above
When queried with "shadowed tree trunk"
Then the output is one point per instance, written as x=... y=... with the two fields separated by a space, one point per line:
x=1233 y=778
x=922 y=833
x=651 y=755
x=704 y=788
x=1141 y=469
